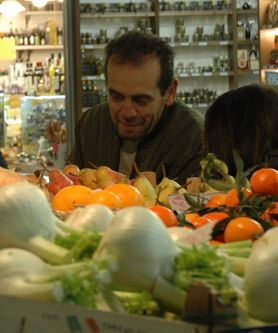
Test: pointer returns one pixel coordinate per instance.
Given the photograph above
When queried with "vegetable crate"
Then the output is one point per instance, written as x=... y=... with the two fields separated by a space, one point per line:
x=24 y=316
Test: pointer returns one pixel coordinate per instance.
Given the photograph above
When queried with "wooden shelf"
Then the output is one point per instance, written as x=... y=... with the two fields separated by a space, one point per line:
x=251 y=11
x=38 y=47
x=92 y=46
x=46 y=13
x=247 y=42
x=206 y=75
x=196 y=12
x=202 y=44
x=118 y=15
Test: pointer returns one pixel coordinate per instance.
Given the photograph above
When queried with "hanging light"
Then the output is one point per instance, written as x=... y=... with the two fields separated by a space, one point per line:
x=39 y=3
x=11 y=8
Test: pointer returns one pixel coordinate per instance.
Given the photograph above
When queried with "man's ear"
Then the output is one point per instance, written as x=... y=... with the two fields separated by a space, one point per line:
x=171 y=93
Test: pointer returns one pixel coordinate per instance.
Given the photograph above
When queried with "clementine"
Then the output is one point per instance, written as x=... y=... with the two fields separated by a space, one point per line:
x=242 y=228
x=232 y=199
x=128 y=194
x=166 y=215
x=265 y=181
x=216 y=200
x=271 y=213
x=103 y=197
x=69 y=197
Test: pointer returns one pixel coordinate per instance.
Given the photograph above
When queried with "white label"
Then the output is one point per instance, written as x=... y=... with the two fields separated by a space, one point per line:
x=223 y=42
x=223 y=73
x=184 y=44
x=203 y=43
x=207 y=74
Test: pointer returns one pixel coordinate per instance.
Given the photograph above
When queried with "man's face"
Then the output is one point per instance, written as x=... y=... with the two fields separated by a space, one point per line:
x=134 y=97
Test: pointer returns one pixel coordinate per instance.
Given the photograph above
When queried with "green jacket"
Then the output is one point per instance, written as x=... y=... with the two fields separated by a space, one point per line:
x=175 y=142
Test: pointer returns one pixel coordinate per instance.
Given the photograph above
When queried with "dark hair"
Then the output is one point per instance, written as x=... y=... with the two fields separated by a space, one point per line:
x=245 y=119
x=135 y=46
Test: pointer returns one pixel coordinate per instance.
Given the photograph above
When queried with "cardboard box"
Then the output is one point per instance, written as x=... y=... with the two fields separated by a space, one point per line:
x=25 y=316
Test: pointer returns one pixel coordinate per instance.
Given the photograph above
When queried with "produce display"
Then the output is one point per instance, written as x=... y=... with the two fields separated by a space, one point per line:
x=96 y=238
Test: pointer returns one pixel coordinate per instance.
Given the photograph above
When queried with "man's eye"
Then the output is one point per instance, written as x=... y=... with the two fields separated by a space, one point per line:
x=140 y=101
x=116 y=97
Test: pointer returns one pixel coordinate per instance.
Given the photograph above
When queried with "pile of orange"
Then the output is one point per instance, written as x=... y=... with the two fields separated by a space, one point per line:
x=114 y=196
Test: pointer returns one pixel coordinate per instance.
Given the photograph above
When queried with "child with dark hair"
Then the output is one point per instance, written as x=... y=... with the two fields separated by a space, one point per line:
x=245 y=119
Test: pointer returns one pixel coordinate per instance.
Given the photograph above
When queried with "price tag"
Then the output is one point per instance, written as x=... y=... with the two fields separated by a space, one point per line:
x=178 y=202
x=207 y=74
x=223 y=42
x=202 y=105
x=184 y=44
x=183 y=75
x=195 y=74
x=223 y=73
x=203 y=43
x=198 y=236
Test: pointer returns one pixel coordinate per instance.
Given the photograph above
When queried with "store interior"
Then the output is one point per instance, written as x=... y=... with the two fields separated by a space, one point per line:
x=52 y=68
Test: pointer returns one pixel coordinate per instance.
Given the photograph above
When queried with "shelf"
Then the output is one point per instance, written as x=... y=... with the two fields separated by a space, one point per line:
x=48 y=97
x=270 y=66
x=92 y=46
x=200 y=105
x=247 y=42
x=118 y=15
x=248 y=72
x=268 y=27
x=38 y=47
x=209 y=43
x=93 y=77
x=208 y=74
x=43 y=13
x=247 y=11
x=196 y=13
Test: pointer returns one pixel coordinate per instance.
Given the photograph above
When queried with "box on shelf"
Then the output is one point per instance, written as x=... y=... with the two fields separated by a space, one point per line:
x=242 y=59
x=271 y=77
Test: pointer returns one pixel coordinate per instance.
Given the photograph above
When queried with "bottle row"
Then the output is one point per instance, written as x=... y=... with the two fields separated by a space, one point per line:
x=40 y=78
x=51 y=35
x=92 y=94
x=137 y=7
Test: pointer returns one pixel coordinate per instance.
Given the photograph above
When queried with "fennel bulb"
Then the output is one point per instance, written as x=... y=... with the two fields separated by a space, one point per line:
x=93 y=217
x=27 y=221
x=145 y=252
x=23 y=274
x=260 y=284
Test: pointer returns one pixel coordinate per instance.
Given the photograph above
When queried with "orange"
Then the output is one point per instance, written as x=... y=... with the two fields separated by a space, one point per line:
x=128 y=194
x=232 y=199
x=216 y=200
x=215 y=242
x=189 y=216
x=215 y=216
x=69 y=197
x=265 y=181
x=242 y=228
x=103 y=197
x=166 y=215
x=271 y=214
x=199 y=221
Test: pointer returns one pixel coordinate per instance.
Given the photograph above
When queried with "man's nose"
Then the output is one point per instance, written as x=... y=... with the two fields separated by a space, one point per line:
x=128 y=108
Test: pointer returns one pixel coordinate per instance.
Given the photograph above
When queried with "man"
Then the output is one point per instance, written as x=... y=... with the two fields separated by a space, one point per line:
x=142 y=121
